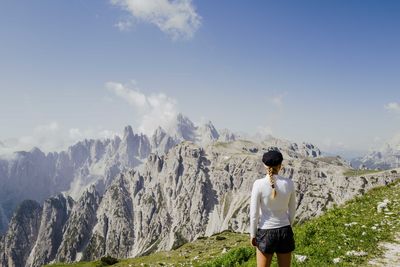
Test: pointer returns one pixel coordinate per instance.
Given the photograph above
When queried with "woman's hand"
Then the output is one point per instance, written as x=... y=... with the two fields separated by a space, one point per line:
x=253 y=242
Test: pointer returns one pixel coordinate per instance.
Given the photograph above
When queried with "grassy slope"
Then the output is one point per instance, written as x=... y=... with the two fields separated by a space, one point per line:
x=354 y=172
x=206 y=248
x=321 y=239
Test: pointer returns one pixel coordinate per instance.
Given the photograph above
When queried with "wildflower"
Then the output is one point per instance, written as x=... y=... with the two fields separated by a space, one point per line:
x=356 y=253
x=350 y=224
x=337 y=260
x=383 y=205
x=300 y=258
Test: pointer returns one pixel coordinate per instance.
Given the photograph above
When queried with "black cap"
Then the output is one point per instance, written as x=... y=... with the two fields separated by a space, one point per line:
x=272 y=158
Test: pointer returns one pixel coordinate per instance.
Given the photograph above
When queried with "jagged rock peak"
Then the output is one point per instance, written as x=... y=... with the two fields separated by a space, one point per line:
x=210 y=128
x=21 y=235
x=226 y=135
x=310 y=150
x=159 y=131
x=182 y=119
x=128 y=132
x=36 y=151
x=185 y=128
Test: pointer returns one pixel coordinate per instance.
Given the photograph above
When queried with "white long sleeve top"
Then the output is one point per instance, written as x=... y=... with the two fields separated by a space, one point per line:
x=267 y=212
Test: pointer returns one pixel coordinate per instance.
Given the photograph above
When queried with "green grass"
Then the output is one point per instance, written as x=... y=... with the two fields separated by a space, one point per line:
x=346 y=228
x=321 y=239
x=331 y=160
x=78 y=264
x=359 y=172
x=328 y=236
x=201 y=250
x=221 y=144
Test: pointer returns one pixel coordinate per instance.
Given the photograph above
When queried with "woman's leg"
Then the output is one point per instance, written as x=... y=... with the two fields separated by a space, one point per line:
x=284 y=259
x=263 y=260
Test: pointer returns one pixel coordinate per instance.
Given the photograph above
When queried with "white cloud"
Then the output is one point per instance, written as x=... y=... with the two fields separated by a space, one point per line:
x=395 y=141
x=76 y=134
x=393 y=106
x=264 y=130
x=277 y=100
x=177 y=18
x=133 y=97
x=377 y=140
x=153 y=110
x=52 y=137
x=124 y=25
x=328 y=144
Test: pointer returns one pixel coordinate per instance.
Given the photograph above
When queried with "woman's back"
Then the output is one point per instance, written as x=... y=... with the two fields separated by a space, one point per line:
x=274 y=212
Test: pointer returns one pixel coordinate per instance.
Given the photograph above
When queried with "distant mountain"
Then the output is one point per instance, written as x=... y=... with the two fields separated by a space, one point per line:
x=387 y=157
x=345 y=154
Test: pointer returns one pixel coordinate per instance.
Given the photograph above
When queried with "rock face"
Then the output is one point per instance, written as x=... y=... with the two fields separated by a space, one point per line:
x=386 y=158
x=34 y=175
x=174 y=198
x=309 y=150
x=55 y=213
x=78 y=228
x=226 y=135
x=22 y=234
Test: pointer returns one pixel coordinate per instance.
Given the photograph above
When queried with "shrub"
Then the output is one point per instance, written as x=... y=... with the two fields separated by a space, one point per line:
x=108 y=260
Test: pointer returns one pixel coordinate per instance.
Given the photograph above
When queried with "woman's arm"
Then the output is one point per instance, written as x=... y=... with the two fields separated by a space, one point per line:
x=292 y=206
x=254 y=210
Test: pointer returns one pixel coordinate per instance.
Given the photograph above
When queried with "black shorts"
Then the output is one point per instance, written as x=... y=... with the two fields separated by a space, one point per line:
x=279 y=240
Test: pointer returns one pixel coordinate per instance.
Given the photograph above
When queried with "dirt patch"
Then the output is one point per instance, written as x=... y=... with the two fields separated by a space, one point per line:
x=391 y=257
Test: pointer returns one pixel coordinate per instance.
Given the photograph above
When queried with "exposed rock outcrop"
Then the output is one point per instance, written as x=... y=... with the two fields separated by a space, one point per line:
x=22 y=234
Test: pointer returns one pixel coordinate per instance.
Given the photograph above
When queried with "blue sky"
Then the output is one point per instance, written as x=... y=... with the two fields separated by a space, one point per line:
x=325 y=72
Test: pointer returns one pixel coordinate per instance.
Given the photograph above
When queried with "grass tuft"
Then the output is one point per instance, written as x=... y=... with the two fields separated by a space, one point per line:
x=354 y=172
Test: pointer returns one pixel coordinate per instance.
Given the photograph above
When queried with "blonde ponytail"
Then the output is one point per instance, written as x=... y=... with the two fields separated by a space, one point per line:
x=271 y=172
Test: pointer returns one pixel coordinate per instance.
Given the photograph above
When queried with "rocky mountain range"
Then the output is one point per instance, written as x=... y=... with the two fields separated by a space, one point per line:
x=385 y=158
x=35 y=175
x=173 y=198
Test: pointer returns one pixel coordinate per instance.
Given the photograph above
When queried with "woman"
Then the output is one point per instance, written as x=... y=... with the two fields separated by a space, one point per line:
x=272 y=209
